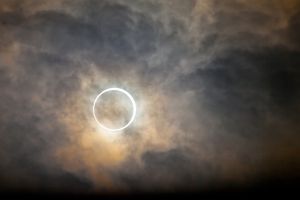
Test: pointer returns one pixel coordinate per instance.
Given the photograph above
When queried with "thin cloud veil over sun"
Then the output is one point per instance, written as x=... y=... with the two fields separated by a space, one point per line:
x=133 y=109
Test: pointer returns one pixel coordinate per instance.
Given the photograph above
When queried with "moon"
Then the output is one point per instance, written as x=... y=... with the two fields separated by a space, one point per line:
x=133 y=108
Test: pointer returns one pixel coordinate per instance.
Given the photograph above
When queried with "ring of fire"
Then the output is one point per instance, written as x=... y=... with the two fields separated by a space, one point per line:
x=133 y=106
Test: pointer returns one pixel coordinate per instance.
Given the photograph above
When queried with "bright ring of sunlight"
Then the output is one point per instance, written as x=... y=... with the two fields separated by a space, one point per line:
x=133 y=105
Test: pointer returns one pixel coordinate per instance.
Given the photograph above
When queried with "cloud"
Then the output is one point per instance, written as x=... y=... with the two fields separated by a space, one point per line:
x=216 y=84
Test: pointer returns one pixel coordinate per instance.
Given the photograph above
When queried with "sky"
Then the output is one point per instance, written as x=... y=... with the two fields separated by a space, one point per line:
x=216 y=84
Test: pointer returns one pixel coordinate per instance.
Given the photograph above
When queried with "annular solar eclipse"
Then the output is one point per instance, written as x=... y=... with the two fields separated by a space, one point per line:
x=98 y=98
x=104 y=98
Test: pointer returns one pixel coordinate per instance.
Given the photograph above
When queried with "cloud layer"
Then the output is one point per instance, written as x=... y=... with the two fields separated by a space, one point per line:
x=216 y=85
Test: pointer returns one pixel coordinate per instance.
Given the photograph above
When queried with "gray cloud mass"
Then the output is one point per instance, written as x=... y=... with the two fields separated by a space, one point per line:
x=216 y=82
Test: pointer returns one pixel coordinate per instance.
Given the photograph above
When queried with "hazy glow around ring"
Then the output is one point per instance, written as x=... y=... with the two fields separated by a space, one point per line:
x=133 y=105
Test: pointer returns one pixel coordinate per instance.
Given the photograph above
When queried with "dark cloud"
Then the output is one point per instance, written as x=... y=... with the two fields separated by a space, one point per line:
x=217 y=85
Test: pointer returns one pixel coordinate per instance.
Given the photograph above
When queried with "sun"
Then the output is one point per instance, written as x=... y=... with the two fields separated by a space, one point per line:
x=133 y=108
